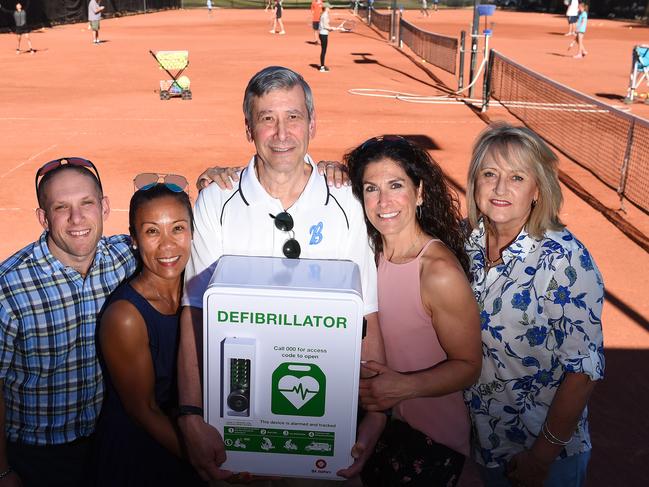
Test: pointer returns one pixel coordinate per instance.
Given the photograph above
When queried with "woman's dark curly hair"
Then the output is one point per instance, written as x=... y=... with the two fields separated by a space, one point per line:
x=440 y=211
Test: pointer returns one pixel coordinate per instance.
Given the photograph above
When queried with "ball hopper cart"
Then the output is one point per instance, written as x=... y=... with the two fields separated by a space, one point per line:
x=174 y=64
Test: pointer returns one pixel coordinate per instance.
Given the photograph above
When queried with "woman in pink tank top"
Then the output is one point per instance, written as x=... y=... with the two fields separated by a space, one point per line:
x=428 y=315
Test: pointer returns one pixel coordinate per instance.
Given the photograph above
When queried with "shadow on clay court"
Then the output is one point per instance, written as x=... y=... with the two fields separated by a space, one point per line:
x=36 y=51
x=620 y=447
x=610 y=96
x=456 y=186
x=364 y=59
x=422 y=141
x=563 y=54
x=631 y=313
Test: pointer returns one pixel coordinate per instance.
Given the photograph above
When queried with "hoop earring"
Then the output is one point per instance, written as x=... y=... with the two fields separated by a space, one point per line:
x=418 y=212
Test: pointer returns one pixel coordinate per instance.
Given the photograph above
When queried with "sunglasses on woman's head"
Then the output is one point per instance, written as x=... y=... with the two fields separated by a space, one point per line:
x=382 y=138
x=148 y=180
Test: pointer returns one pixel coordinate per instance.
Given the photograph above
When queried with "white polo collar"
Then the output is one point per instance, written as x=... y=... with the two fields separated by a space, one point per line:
x=315 y=193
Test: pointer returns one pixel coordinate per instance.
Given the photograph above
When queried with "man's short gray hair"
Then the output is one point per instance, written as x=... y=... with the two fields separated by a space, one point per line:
x=275 y=78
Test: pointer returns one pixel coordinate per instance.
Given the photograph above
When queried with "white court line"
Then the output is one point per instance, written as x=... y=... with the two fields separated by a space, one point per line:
x=86 y=119
x=31 y=158
x=447 y=100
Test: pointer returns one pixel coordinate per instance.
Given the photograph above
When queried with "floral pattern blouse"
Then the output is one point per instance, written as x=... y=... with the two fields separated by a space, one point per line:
x=540 y=313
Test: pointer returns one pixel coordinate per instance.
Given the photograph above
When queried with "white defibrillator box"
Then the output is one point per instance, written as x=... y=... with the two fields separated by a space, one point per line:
x=282 y=350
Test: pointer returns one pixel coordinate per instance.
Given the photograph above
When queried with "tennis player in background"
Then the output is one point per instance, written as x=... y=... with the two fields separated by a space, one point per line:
x=94 y=16
x=582 y=22
x=316 y=12
x=277 y=20
x=325 y=27
x=20 y=19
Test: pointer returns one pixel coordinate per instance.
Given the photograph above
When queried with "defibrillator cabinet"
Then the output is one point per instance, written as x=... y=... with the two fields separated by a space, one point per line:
x=282 y=344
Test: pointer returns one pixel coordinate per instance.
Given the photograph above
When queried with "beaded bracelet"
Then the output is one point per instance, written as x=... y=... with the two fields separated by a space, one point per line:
x=6 y=472
x=550 y=437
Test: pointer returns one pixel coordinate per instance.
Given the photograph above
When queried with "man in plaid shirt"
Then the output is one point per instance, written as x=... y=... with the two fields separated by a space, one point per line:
x=51 y=293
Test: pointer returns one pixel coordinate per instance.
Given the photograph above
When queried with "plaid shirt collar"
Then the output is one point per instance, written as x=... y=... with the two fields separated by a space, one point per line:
x=50 y=264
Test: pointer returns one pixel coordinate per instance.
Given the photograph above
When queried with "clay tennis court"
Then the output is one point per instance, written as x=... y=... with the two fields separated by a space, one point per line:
x=73 y=98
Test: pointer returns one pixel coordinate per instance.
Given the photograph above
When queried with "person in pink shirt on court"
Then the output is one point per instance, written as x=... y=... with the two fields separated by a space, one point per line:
x=427 y=313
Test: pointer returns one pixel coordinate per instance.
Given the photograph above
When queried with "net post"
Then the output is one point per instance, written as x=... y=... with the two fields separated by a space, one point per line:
x=395 y=22
x=397 y=26
x=474 y=43
x=486 y=82
x=399 y=30
x=460 y=78
x=625 y=165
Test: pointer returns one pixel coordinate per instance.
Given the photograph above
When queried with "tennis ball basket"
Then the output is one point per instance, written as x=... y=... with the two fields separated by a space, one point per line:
x=174 y=63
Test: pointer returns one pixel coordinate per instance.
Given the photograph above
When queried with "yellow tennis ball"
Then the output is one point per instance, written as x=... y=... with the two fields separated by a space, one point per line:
x=642 y=96
x=184 y=82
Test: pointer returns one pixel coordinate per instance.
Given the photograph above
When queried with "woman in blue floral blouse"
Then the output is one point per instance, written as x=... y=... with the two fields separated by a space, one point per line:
x=540 y=296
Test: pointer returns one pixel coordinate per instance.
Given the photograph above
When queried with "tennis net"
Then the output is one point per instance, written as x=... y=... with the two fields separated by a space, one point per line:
x=436 y=49
x=363 y=11
x=611 y=144
x=381 y=21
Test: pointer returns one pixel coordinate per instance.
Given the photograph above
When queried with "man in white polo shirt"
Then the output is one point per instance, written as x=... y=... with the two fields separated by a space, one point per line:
x=281 y=207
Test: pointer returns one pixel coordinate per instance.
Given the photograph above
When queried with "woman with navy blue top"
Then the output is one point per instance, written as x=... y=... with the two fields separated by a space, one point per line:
x=137 y=440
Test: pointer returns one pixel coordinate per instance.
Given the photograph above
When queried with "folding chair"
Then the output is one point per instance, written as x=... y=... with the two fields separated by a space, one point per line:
x=639 y=73
x=173 y=63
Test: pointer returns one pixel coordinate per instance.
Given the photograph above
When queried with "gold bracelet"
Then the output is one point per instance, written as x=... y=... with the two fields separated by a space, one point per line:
x=550 y=437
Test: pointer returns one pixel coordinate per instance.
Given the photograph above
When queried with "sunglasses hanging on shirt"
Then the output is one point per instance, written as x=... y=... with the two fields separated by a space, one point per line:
x=284 y=222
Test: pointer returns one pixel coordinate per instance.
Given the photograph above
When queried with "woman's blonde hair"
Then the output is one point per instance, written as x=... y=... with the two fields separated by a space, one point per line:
x=522 y=148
